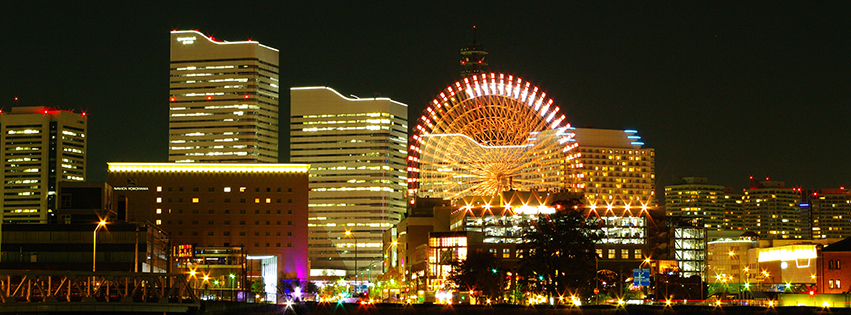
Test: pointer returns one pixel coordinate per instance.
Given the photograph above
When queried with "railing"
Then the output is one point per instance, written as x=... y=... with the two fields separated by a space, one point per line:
x=58 y=288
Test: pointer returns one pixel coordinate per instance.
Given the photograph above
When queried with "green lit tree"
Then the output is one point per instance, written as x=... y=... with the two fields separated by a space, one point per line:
x=559 y=253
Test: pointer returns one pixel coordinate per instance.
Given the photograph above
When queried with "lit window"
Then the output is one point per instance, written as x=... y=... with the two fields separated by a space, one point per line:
x=611 y=253
x=637 y=254
x=159 y=210
x=268 y=200
x=159 y=188
x=830 y=283
x=242 y=189
x=159 y=222
x=194 y=200
x=227 y=189
x=256 y=200
x=837 y=284
x=159 y=200
x=624 y=253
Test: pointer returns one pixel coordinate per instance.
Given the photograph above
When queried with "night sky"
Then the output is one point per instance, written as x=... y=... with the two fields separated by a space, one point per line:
x=719 y=90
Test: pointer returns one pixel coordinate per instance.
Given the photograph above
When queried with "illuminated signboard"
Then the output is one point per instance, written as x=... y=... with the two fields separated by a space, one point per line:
x=787 y=253
x=534 y=210
x=188 y=40
x=182 y=251
x=130 y=188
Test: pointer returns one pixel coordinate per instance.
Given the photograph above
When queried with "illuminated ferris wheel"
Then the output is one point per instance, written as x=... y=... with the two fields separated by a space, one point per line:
x=486 y=134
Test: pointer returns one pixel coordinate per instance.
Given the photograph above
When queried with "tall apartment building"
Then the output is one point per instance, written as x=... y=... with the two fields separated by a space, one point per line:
x=734 y=217
x=41 y=147
x=356 y=149
x=261 y=208
x=223 y=100
x=771 y=210
x=830 y=213
x=695 y=198
x=613 y=169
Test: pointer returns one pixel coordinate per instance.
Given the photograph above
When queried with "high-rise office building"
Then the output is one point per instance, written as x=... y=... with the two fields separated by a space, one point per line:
x=695 y=198
x=356 y=149
x=41 y=147
x=613 y=169
x=224 y=100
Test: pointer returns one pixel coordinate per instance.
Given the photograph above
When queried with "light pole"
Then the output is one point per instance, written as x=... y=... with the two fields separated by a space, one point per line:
x=95 y=243
x=349 y=234
x=232 y=280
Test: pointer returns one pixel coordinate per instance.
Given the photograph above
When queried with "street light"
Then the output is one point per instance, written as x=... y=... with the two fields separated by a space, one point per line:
x=232 y=280
x=95 y=243
x=349 y=234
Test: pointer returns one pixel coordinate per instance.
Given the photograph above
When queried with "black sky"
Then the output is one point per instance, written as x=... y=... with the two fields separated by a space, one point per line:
x=720 y=90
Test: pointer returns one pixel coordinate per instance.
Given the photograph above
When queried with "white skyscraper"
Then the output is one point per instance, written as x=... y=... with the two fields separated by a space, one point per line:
x=40 y=148
x=356 y=149
x=224 y=100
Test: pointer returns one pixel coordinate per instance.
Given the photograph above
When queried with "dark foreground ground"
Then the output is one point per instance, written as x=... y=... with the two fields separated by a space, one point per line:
x=381 y=309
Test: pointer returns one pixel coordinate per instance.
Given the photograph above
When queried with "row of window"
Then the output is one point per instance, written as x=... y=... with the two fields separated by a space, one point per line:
x=225 y=222
x=833 y=264
x=227 y=233
x=226 y=211
x=225 y=189
x=834 y=284
x=636 y=253
x=226 y=200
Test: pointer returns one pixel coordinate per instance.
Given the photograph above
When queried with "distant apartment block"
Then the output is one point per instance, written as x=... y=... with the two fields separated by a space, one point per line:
x=695 y=198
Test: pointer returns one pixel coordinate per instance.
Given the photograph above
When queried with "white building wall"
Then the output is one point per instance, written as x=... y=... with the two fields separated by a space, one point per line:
x=223 y=100
x=356 y=149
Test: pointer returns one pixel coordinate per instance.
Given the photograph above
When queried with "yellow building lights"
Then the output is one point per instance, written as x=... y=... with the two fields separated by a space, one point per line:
x=208 y=168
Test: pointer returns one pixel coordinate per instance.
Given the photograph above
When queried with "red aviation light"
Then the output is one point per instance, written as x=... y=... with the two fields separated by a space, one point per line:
x=246 y=96
x=16 y=98
x=171 y=98
x=209 y=98
x=84 y=114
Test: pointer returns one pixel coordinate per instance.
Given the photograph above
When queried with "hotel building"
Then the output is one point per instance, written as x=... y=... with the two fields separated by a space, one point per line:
x=259 y=207
x=356 y=149
x=41 y=147
x=223 y=100
x=613 y=169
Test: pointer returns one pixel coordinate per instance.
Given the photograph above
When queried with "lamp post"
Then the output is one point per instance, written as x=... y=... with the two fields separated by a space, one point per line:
x=349 y=234
x=95 y=243
x=650 y=264
x=232 y=280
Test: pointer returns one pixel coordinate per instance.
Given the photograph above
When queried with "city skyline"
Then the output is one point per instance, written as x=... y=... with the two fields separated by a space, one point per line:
x=723 y=92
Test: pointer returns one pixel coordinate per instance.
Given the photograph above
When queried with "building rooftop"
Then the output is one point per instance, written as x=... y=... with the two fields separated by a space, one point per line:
x=841 y=246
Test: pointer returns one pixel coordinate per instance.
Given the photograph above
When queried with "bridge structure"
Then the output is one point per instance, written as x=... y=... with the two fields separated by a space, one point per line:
x=46 y=291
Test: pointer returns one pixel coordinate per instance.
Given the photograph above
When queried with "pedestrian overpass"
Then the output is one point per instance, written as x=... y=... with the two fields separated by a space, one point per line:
x=32 y=291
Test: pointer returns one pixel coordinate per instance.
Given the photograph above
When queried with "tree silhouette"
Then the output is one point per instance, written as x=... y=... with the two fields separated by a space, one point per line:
x=559 y=253
x=481 y=271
